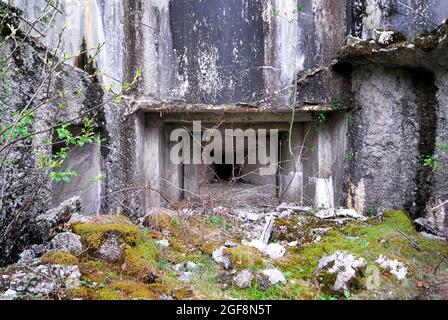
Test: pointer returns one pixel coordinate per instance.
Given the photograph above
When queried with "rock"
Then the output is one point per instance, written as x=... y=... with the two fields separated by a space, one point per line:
x=340 y=271
x=326 y=214
x=293 y=244
x=67 y=242
x=244 y=279
x=27 y=255
x=186 y=277
x=395 y=267
x=433 y=222
x=231 y=244
x=432 y=237
x=154 y=218
x=341 y=213
x=9 y=295
x=351 y=40
x=267 y=230
x=43 y=279
x=249 y=215
x=111 y=248
x=190 y=266
x=274 y=276
x=163 y=244
x=258 y=244
x=47 y=223
x=274 y=251
x=220 y=257
x=387 y=38
x=178 y=267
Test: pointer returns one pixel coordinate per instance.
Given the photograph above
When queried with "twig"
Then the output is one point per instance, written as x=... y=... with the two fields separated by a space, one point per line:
x=411 y=242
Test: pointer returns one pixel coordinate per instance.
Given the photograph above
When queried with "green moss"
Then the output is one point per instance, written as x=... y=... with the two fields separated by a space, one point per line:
x=59 y=257
x=134 y=290
x=244 y=257
x=141 y=259
x=92 y=233
x=106 y=294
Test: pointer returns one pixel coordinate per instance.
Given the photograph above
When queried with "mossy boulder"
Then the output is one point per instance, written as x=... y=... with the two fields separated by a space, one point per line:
x=59 y=258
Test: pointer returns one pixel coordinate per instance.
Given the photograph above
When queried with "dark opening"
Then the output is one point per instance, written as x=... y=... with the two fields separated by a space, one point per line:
x=227 y=172
x=426 y=93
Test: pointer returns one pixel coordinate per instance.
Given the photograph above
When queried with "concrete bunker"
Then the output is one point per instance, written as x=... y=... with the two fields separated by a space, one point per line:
x=306 y=171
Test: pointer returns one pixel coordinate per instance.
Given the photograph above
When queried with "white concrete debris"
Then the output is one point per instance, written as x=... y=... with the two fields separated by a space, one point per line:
x=243 y=279
x=345 y=266
x=249 y=215
x=432 y=237
x=383 y=37
x=274 y=276
x=230 y=244
x=9 y=295
x=186 y=277
x=340 y=213
x=163 y=243
x=274 y=251
x=220 y=257
x=190 y=266
x=293 y=244
x=267 y=230
x=395 y=267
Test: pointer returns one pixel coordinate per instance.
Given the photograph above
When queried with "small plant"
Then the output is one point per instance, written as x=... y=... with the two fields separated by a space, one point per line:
x=322 y=117
x=432 y=162
x=335 y=104
x=309 y=72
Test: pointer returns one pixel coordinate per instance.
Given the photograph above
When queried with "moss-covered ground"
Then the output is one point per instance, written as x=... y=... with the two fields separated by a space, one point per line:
x=146 y=271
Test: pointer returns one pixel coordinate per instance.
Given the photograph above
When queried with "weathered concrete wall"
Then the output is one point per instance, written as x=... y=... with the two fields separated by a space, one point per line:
x=26 y=188
x=411 y=17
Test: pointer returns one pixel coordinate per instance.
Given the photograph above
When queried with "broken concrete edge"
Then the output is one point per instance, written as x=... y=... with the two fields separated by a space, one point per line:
x=135 y=105
x=400 y=54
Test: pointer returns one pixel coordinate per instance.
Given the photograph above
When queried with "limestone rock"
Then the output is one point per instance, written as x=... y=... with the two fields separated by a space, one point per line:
x=274 y=276
x=67 y=242
x=340 y=271
x=243 y=279
x=48 y=222
x=9 y=295
x=341 y=213
x=395 y=267
x=434 y=222
x=163 y=244
x=274 y=251
x=386 y=38
x=111 y=248
x=43 y=279
x=186 y=277
x=27 y=255
x=220 y=257
x=190 y=266
x=231 y=244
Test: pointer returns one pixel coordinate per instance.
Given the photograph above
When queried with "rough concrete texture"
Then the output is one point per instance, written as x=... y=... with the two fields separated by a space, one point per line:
x=26 y=190
x=398 y=121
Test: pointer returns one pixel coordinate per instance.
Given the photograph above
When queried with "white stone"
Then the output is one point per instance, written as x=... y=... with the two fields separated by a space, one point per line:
x=163 y=243
x=344 y=265
x=244 y=279
x=9 y=295
x=395 y=267
x=67 y=242
x=190 y=266
x=274 y=251
x=275 y=276
x=220 y=257
x=293 y=244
